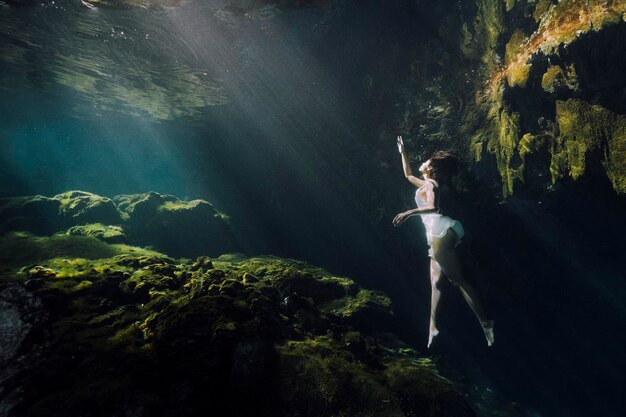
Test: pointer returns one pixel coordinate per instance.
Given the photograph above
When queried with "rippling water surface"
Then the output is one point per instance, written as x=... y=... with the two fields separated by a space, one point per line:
x=133 y=60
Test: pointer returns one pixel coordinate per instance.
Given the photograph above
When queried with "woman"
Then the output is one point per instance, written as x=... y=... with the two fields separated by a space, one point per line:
x=443 y=235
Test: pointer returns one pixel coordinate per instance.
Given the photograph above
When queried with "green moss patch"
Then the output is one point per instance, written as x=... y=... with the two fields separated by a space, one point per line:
x=282 y=334
x=586 y=128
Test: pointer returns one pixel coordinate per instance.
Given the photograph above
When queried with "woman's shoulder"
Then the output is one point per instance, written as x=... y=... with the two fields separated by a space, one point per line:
x=427 y=184
x=433 y=182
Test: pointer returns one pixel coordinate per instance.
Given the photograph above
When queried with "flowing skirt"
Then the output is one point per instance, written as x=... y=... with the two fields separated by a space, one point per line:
x=437 y=226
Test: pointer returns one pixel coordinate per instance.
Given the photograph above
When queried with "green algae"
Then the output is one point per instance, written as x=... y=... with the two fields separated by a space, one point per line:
x=557 y=78
x=497 y=130
x=367 y=310
x=490 y=25
x=517 y=74
x=84 y=207
x=499 y=134
x=564 y=21
x=541 y=8
x=282 y=333
x=327 y=381
x=25 y=247
x=110 y=234
x=530 y=144
x=494 y=127
x=561 y=24
x=586 y=128
x=179 y=206
x=141 y=306
x=364 y=299
x=509 y=5
x=180 y=228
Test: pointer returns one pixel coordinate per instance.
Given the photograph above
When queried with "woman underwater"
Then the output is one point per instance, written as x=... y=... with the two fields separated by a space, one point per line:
x=443 y=234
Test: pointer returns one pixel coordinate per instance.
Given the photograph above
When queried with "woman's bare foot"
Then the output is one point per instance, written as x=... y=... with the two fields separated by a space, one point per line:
x=488 y=329
x=432 y=334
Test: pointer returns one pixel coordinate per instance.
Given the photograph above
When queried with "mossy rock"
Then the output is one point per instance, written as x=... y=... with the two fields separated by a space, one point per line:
x=518 y=69
x=36 y=214
x=179 y=228
x=417 y=384
x=143 y=205
x=109 y=234
x=67 y=255
x=282 y=336
x=540 y=9
x=319 y=289
x=586 y=129
x=44 y=215
x=316 y=375
x=21 y=313
x=144 y=258
x=557 y=79
x=367 y=310
x=80 y=207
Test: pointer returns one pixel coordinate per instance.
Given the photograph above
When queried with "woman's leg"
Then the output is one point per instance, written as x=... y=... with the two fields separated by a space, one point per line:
x=435 y=281
x=445 y=255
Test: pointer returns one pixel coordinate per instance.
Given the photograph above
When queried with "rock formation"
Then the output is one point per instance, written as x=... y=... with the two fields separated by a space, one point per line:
x=180 y=228
x=95 y=329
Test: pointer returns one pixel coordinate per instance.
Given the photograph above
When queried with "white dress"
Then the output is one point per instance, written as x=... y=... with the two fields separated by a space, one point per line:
x=436 y=224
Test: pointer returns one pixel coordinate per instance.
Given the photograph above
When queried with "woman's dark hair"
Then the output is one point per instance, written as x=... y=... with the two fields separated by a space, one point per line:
x=445 y=165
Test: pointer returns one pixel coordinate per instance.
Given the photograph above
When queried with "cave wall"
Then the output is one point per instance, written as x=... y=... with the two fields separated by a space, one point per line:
x=532 y=94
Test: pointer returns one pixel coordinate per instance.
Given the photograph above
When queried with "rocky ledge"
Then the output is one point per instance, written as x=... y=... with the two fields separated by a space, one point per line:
x=93 y=329
x=170 y=225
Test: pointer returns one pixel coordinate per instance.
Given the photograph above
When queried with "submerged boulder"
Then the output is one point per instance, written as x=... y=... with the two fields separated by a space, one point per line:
x=45 y=215
x=110 y=234
x=37 y=214
x=134 y=330
x=80 y=207
x=23 y=324
x=177 y=227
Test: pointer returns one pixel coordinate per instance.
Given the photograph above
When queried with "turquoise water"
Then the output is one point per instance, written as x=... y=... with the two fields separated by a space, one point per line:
x=280 y=118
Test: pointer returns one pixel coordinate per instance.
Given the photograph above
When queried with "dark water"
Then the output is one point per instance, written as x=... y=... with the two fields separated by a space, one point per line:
x=269 y=115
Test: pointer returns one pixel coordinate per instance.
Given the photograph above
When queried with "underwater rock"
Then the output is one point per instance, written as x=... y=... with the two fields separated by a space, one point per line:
x=133 y=260
x=287 y=337
x=405 y=374
x=44 y=215
x=368 y=310
x=314 y=372
x=39 y=272
x=141 y=205
x=23 y=340
x=523 y=57
x=20 y=312
x=586 y=129
x=319 y=289
x=37 y=214
x=81 y=207
x=249 y=278
x=517 y=74
x=109 y=234
x=62 y=256
x=557 y=79
x=202 y=262
x=179 y=228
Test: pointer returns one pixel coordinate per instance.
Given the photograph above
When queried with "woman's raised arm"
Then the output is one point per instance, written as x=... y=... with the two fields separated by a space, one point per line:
x=418 y=182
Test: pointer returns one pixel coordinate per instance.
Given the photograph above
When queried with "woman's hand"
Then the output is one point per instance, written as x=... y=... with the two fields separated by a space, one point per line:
x=400 y=218
x=400 y=144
